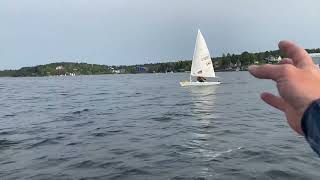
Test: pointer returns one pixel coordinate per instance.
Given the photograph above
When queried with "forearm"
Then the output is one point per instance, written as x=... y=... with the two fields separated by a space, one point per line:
x=310 y=125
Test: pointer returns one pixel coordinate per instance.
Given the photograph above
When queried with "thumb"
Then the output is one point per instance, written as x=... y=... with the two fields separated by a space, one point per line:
x=274 y=101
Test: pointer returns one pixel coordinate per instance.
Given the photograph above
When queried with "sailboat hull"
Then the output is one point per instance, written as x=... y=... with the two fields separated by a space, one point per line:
x=188 y=83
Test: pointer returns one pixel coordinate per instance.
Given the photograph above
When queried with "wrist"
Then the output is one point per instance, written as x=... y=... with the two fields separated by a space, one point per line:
x=310 y=124
x=310 y=116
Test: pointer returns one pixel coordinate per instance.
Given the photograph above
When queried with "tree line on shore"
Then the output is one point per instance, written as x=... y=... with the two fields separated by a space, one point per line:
x=224 y=63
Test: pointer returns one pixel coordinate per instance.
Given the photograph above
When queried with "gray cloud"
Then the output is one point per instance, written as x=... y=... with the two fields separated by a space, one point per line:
x=137 y=31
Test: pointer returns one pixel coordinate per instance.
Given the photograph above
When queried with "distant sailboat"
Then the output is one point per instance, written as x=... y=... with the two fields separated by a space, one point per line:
x=201 y=64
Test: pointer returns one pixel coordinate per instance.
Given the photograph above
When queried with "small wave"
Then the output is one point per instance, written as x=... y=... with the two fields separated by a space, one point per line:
x=183 y=178
x=33 y=131
x=105 y=113
x=162 y=119
x=113 y=132
x=128 y=172
x=209 y=154
x=98 y=100
x=64 y=94
x=7 y=132
x=175 y=114
x=7 y=162
x=4 y=143
x=30 y=98
x=110 y=164
x=51 y=162
x=217 y=154
x=107 y=133
x=135 y=171
x=182 y=104
x=141 y=155
x=41 y=157
x=266 y=155
x=99 y=134
x=101 y=93
x=43 y=143
x=120 y=151
x=81 y=111
x=84 y=164
x=137 y=94
x=73 y=144
x=135 y=139
x=68 y=118
x=49 y=176
x=9 y=115
x=155 y=98
x=83 y=124
x=278 y=174
x=252 y=153
x=227 y=131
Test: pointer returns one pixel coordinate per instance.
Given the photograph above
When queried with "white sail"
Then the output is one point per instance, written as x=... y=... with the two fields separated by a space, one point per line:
x=201 y=63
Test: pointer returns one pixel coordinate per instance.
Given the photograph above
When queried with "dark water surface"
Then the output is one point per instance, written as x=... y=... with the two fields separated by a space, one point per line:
x=146 y=127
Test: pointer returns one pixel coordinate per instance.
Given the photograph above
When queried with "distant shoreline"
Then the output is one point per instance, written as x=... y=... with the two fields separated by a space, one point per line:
x=76 y=69
x=226 y=63
x=114 y=74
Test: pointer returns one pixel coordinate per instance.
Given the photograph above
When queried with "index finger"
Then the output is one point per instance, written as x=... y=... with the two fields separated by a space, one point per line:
x=271 y=71
x=299 y=56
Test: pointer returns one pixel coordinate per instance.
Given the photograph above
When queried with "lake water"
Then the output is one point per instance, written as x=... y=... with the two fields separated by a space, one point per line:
x=146 y=126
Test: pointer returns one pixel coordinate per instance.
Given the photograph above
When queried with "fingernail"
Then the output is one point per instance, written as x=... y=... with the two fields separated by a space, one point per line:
x=252 y=67
x=281 y=43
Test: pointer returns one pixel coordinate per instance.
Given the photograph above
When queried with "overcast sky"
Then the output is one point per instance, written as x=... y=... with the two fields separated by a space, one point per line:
x=117 y=32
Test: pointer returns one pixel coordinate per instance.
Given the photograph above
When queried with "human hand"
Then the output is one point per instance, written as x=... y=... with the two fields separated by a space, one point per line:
x=298 y=83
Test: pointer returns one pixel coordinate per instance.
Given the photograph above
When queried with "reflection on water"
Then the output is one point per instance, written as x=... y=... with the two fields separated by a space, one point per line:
x=203 y=103
x=203 y=98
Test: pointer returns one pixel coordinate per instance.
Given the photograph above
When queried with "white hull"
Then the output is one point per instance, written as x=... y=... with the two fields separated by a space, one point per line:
x=188 y=83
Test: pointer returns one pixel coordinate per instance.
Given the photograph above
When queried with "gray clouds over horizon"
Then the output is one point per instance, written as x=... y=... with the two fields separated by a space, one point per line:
x=141 y=31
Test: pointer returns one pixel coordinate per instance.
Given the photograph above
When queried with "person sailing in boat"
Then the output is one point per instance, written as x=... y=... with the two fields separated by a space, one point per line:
x=201 y=79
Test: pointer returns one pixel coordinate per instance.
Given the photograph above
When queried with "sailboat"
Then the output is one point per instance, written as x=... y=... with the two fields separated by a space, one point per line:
x=201 y=64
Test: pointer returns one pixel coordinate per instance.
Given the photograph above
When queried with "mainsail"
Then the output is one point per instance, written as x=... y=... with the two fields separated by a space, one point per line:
x=201 y=63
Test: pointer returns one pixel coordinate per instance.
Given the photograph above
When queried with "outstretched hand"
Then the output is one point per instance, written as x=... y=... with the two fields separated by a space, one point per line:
x=298 y=83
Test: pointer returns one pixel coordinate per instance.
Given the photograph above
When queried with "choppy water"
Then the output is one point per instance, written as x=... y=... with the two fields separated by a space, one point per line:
x=146 y=127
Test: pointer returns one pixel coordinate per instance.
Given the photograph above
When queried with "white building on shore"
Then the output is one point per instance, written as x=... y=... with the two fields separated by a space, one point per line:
x=316 y=58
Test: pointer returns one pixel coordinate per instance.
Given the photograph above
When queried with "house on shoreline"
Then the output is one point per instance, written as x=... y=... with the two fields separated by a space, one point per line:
x=272 y=59
x=316 y=58
x=60 y=71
